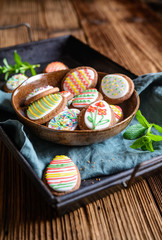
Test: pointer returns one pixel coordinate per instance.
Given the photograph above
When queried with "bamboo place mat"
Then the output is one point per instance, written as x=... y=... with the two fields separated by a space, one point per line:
x=128 y=32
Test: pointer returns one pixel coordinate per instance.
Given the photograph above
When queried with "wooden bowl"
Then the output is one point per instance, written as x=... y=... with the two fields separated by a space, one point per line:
x=76 y=137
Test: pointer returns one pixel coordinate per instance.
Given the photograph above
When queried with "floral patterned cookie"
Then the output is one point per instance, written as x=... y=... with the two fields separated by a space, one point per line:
x=97 y=116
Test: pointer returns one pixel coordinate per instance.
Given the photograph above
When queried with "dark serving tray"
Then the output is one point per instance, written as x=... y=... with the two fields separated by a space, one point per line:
x=73 y=53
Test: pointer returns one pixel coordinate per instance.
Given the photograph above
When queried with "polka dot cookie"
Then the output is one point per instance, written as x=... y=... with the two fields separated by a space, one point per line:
x=14 y=81
x=55 y=66
x=62 y=176
x=116 y=88
x=79 y=79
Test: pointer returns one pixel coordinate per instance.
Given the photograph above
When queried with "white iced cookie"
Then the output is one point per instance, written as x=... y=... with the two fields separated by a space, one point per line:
x=116 y=88
x=14 y=81
x=97 y=116
x=85 y=98
x=39 y=93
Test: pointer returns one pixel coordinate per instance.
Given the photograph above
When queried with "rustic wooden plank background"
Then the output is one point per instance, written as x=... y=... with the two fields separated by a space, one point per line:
x=128 y=32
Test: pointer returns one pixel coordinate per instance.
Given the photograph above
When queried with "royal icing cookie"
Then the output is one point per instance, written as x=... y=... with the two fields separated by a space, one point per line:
x=117 y=112
x=43 y=109
x=116 y=88
x=55 y=66
x=39 y=93
x=62 y=175
x=67 y=95
x=79 y=79
x=97 y=116
x=14 y=81
x=66 y=120
x=86 y=98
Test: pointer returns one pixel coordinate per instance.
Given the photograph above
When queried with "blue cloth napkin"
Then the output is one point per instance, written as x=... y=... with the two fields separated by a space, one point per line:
x=104 y=158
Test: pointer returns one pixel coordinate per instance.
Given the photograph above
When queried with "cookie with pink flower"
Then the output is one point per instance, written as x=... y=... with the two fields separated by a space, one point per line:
x=97 y=116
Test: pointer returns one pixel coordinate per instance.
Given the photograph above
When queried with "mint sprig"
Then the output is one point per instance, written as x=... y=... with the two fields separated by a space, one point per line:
x=18 y=67
x=142 y=132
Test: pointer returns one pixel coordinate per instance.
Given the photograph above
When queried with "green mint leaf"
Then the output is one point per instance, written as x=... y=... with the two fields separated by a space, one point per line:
x=17 y=58
x=33 y=72
x=22 y=71
x=149 y=146
x=6 y=63
x=138 y=143
x=143 y=141
x=156 y=138
x=6 y=76
x=144 y=148
x=26 y=64
x=141 y=119
x=134 y=131
x=146 y=139
x=158 y=128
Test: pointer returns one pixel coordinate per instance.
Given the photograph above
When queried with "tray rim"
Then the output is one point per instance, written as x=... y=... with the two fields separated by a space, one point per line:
x=51 y=199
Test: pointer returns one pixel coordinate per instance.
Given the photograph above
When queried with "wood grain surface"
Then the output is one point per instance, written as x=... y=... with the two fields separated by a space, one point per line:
x=128 y=32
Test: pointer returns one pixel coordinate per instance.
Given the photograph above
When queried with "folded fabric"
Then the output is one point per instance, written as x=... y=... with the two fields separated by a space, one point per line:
x=104 y=158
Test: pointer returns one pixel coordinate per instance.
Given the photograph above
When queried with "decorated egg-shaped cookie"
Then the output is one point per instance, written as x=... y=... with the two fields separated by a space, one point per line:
x=55 y=66
x=86 y=98
x=97 y=116
x=39 y=93
x=43 y=109
x=62 y=175
x=116 y=88
x=66 y=120
x=79 y=79
x=14 y=81
x=118 y=112
x=67 y=95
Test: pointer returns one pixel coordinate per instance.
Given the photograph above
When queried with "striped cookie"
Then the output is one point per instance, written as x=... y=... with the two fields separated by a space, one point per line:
x=39 y=93
x=55 y=66
x=62 y=175
x=118 y=112
x=45 y=108
x=79 y=79
x=86 y=98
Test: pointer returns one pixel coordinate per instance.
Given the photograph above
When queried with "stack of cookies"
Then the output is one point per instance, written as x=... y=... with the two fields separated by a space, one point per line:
x=82 y=102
